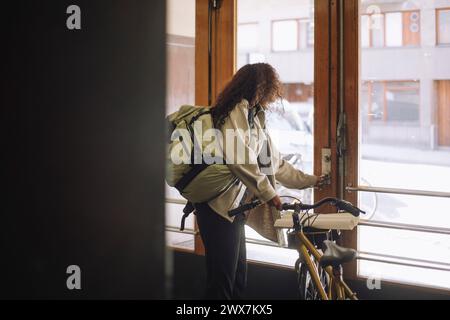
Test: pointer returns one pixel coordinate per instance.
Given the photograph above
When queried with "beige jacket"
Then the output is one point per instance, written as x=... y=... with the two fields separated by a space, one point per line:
x=260 y=182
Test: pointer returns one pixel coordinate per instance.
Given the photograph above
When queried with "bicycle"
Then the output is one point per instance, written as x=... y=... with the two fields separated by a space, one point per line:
x=319 y=272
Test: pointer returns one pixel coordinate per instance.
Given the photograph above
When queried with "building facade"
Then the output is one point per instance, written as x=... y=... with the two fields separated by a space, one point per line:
x=405 y=76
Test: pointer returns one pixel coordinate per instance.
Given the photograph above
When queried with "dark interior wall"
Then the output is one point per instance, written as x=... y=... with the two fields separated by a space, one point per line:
x=82 y=147
x=263 y=282
x=270 y=283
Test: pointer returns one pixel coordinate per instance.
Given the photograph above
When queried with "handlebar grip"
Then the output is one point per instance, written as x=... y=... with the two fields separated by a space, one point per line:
x=244 y=208
x=348 y=207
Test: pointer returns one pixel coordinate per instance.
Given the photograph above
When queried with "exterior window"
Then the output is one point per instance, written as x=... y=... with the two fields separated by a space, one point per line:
x=306 y=34
x=310 y=34
x=394 y=34
x=285 y=35
x=248 y=37
x=392 y=101
x=390 y=29
x=402 y=102
x=372 y=31
x=378 y=30
x=443 y=25
x=404 y=139
x=365 y=31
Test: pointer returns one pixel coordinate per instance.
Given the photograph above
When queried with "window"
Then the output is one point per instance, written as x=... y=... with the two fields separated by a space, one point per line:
x=293 y=34
x=288 y=45
x=402 y=148
x=443 y=26
x=390 y=29
x=248 y=37
x=365 y=31
x=394 y=28
x=378 y=30
x=392 y=101
x=306 y=34
x=180 y=44
x=372 y=30
x=248 y=44
x=285 y=35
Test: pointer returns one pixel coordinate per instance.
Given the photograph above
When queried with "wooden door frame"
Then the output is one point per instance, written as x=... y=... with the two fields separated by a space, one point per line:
x=351 y=86
x=336 y=90
x=326 y=81
x=223 y=58
x=224 y=26
x=351 y=58
x=326 y=92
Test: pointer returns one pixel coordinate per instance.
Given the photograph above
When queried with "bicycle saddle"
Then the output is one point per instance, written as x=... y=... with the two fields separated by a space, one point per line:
x=335 y=255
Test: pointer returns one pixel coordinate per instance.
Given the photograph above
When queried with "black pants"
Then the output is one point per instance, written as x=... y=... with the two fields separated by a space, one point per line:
x=226 y=257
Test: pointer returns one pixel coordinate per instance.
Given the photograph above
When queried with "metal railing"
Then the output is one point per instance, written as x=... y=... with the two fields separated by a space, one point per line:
x=365 y=256
x=407 y=192
x=404 y=261
x=404 y=227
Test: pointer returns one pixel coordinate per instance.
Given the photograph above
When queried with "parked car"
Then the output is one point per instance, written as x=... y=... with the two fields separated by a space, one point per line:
x=293 y=136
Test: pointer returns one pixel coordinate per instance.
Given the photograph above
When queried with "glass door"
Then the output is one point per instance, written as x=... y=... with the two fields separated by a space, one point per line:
x=404 y=144
x=180 y=57
x=281 y=33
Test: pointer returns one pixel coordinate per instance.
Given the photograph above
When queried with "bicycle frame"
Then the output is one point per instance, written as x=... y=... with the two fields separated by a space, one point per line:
x=338 y=289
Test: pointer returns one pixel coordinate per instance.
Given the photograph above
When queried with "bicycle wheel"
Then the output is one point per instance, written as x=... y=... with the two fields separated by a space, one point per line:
x=307 y=289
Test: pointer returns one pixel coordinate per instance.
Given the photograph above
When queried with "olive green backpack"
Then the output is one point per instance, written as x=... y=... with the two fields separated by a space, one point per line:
x=196 y=181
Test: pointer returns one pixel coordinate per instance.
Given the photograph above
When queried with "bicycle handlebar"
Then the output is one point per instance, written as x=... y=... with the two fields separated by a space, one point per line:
x=244 y=208
x=338 y=203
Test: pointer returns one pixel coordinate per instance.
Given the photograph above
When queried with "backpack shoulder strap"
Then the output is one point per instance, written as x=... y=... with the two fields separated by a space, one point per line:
x=189 y=176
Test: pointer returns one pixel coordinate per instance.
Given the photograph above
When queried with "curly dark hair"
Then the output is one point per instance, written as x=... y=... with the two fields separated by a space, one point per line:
x=258 y=83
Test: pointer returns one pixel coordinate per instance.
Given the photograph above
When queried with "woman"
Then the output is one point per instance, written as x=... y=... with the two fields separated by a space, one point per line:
x=240 y=108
